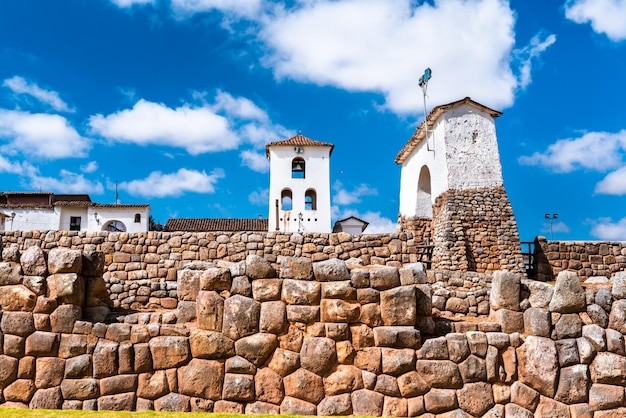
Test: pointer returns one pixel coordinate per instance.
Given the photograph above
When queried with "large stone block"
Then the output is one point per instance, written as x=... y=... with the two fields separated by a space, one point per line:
x=51 y=398
x=64 y=317
x=384 y=277
x=259 y=268
x=118 y=384
x=93 y=263
x=211 y=345
x=304 y=385
x=618 y=291
x=63 y=260
x=17 y=323
x=337 y=310
x=209 y=310
x=169 y=351
x=78 y=367
x=120 y=402
x=505 y=291
x=10 y=273
x=173 y=402
x=216 y=279
x=238 y=387
x=202 y=379
x=617 y=317
x=299 y=292
x=569 y=296
x=293 y=406
x=284 y=362
x=397 y=361
x=268 y=386
x=188 y=284
x=608 y=368
x=412 y=384
x=335 y=405
x=440 y=373
x=397 y=306
x=33 y=261
x=241 y=317
x=273 y=317
x=367 y=403
x=345 y=379
x=266 y=289
x=538 y=364
x=476 y=398
x=17 y=298
x=256 y=348
x=331 y=270
x=152 y=385
x=438 y=401
x=298 y=268
x=573 y=384
x=538 y=322
x=80 y=389
x=605 y=396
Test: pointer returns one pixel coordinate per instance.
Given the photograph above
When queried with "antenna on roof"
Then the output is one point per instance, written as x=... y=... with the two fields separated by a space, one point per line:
x=423 y=83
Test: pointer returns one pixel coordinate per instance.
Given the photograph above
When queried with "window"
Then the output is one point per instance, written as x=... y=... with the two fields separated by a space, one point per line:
x=74 y=223
x=137 y=218
x=310 y=200
x=285 y=199
x=297 y=168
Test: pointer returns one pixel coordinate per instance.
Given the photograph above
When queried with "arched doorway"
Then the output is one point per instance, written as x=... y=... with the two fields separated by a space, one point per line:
x=114 y=226
x=423 y=202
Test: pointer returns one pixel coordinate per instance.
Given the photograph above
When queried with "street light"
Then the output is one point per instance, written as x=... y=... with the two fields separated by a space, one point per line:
x=551 y=218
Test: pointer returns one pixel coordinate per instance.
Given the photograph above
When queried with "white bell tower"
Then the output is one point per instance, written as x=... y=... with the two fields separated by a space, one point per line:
x=299 y=198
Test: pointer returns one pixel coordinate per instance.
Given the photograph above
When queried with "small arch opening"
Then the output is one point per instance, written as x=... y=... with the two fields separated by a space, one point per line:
x=286 y=200
x=310 y=200
x=137 y=218
x=298 y=168
x=114 y=226
x=423 y=204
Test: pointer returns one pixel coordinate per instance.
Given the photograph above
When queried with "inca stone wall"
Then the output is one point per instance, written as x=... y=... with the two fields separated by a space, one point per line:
x=475 y=230
x=420 y=227
x=586 y=258
x=332 y=337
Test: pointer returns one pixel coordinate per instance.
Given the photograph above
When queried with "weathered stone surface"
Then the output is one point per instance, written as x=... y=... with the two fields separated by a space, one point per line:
x=238 y=387
x=617 y=317
x=598 y=315
x=538 y=322
x=477 y=342
x=273 y=317
x=514 y=410
x=209 y=310
x=69 y=288
x=604 y=298
x=239 y=365
x=331 y=270
x=434 y=349
x=51 y=398
x=568 y=326
x=400 y=337
x=9 y=273
x=118 y=384
x=339 y=290
x=303 y=314
x=268 y=386
x=336 y=405
x=261 y=408
x=78 y=367
x=93 y=263
x=215 y=279
x=505 y=291
x=595 y=335
x=615 y=342
x=397 y=361
x=169 y=351
x=17 y=323
x=384 y=277
x=605 y=396
x=568 y=296
x=63 y=260
x=457 y=305
x=266 y=289
x=188 y=284
x=64 y=317
x=440 y=400
x=33 y=262
x=524 y=396
x=299 y=292
x=458 y=348
x=318 y=354
x=397 y=306
x=256 y=348
x=42 y=344
x=172 y=402
x=297 y=407
x=304 y=385
x=387 y=385
x=369 y=359
x=36 y=284
x=473 y=369
x=211 y=345
x=367 y=403
x=337 y=310
x=440 y=373
x=412 y=384
x=22 y=390
x=344 y=379
x=568 y=352
x=152 y=385
x=538 y=364
x=618 y=291
x=608 y=368
x=259 y=268
x=118 y=332
x=550 y=407
x=573 y=384
x=298 y=268
x=475 y=398
x=201 y=378
x=540 y=293
x=80 y=389
x=228 y=407
x=241 y=317
x=49 y=372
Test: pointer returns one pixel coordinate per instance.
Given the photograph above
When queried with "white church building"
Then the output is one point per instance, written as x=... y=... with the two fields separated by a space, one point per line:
x=299 y=195
x=44 y=211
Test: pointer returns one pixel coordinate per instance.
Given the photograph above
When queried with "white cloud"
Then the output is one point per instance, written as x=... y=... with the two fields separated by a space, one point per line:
x=19 y=85
x=614 y=183
x=600 y=151
x=90 y=167
x=197 y=130
x=212 y=127
x=243 y=8
x=66 y=182
x=605 y=16
x=21 y=168
x=557 y=226
x=526 y=55
x=259 y=197
x=41 y=135
x=175 y=184
x=345 y=197
x=606 y=229
x=384 y=45
x=130 y=3
x=255 y=161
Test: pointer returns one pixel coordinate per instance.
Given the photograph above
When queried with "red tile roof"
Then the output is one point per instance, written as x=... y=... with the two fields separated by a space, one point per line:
x=298 y=141
x=216 y=224
x=432 y=117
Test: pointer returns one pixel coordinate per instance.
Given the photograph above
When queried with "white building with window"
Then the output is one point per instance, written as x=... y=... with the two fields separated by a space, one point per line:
x=299 y=197
x=45 y=211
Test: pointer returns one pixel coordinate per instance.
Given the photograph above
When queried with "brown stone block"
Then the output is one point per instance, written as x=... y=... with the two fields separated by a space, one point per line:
x=304 y=385
x=318 y=354
x=80 y=389
x=256 y=348
x=17 y=298
x=273 y=317
x=397 y=306
x=367 y=403
x=202 y=379
x=268 y=386
x=303 y=314
x=152 y=385
x=47 y=399
x=369 y=359
x=17 y=323
x=238 y=387
x=295 y=406
x=336 y=405
x=264 y=290
x=399 y=337
x=262 y=408
x=241 y=317
x=105 y=361
x=49 y=372
x=344 y=379
x=118 y=384
x=440 y=373
x=397 y=361
x=169 y=351
x=41 y=344
x=284 y=362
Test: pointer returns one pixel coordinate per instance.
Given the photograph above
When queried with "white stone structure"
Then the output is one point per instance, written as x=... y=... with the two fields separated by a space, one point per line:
x=299 y=196
x=43 y=211
x=459 y=151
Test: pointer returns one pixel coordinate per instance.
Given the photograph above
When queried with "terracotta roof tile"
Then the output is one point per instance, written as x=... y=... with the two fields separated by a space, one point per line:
x=299 y=141
x=216 y=224
x=432 y=117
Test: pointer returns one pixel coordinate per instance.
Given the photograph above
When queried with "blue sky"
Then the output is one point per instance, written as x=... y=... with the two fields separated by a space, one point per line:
x=175 y=100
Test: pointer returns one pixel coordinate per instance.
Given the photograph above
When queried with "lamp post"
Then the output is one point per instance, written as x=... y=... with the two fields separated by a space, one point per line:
x=550 y=219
